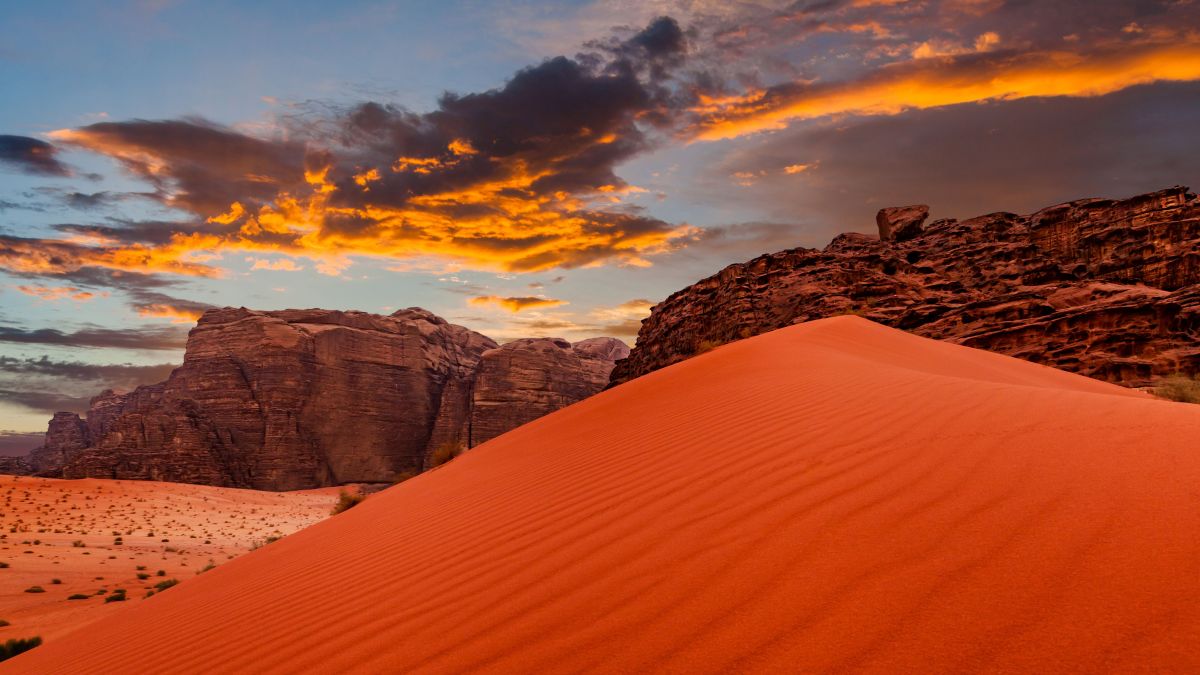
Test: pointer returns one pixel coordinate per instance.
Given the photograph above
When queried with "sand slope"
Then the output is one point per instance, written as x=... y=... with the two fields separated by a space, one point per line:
x=835 y=496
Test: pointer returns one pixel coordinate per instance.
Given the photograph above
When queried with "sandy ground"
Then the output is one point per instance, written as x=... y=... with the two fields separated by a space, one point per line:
x=92 y=537
x=831 y=497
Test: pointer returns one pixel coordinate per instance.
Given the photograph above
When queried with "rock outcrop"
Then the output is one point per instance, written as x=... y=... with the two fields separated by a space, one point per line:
x=526 y=379
x=66 y=436
x=1105 y=288
x=283 y=400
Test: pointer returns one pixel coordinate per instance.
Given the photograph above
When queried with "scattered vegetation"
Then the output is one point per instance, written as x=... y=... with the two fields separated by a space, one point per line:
x=118 y=595
x=443 y=453
x=56 y=582
x=1179 y=388
x=706 y=346
x=35 y=589
x=346 y=500
x=3 y=565
x=78 y=596
x=404 y=475
x=165 y=584
x=13 y=647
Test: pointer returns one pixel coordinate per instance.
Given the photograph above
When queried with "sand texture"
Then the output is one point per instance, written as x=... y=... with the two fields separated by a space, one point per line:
x=96 y=536
x=832 y=497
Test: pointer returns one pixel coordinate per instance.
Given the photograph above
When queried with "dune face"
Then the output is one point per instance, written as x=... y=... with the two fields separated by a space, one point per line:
x=1106 y=288
x=97 y=536
x=833 y=496
x=297 y=399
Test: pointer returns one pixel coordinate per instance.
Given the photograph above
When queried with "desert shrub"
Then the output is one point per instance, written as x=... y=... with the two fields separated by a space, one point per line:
x=165 y=584
x=142 y=576
x=78 y=544
x=443 y=453
x=3 y=565
x=116 y=596
x=4 y=623
x=160 y=573
x=56 y=581
x=13 y=647
x=346 y=500
x=403 y=476
x=1179 y=388
x=706 y=346
x=35 y=589
x=78 y=596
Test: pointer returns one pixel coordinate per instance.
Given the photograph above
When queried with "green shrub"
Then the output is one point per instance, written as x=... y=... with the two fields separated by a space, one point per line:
x=78 y=596
x=1179 y=388
x=165 y=584
x=13 y=647
x=345 y=501
x=116 y=596
x=35 y=589
x=56 y=581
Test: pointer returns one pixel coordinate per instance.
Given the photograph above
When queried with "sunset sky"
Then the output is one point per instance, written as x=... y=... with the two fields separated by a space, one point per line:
x=521 y=167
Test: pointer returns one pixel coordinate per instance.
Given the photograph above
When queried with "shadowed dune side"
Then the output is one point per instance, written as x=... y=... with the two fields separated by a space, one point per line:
x=832 y=496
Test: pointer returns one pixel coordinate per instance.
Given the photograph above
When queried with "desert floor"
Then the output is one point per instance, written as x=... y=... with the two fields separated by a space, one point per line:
x=92 y=537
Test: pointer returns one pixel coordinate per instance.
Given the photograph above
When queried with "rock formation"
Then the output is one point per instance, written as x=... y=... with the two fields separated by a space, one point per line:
x=66 y=436
x=294 y=399
x=526 y=379
x=1105 y=288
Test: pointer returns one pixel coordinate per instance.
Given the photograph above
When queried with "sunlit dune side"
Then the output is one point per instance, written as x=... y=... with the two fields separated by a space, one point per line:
x=833 y=496
x=97 y=536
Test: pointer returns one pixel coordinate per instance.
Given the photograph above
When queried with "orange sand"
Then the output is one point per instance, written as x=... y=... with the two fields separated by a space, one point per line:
x=67 y=530
x=835 y=496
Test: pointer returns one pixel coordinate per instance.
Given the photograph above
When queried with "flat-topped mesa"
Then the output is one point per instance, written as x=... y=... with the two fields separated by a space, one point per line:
x=1107 y=288
x=294 y=399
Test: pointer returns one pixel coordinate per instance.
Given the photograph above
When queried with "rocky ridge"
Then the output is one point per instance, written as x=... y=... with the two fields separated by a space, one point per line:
x=294 y=399
x=1106 y=288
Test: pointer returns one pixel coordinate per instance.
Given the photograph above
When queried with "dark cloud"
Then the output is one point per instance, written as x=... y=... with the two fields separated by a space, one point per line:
x=125 y=376
x=521 y=177
x=48 y=402
x=161 y=305
x=967 y=160
x=154 y=338
x=32 y=156
x=17 y=443
x=195 y=164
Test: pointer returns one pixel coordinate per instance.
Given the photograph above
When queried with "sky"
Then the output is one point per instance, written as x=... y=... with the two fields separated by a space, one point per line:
x=522 y=167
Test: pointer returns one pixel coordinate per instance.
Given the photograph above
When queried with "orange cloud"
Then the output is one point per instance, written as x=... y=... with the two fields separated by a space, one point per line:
x=52 y=293
x=166 y=311
x=516 y=304
x=934 y=82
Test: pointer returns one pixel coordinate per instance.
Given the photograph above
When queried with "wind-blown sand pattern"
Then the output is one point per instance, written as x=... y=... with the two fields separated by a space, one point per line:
x=97 y=536
x=834 y=496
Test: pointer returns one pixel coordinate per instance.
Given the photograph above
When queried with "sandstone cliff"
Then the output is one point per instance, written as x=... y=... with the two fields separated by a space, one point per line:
x=295 y=399
x=1106 y=288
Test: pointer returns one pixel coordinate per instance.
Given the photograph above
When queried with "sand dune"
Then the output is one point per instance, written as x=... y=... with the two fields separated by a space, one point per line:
x=93 y=537
x=835 y=496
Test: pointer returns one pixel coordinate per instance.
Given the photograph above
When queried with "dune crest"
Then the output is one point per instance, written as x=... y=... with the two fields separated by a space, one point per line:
x=832 y=496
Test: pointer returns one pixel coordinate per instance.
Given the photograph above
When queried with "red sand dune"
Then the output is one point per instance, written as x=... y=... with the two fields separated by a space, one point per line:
x=835 y=496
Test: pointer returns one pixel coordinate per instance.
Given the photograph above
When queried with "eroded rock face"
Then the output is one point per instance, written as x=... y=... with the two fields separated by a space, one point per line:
x=526 y=379
x=295 y=399
x=66 y=436
x=1106 y=288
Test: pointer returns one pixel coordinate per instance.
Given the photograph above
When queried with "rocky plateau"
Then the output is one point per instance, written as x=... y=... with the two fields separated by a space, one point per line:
x=1102 y=287
x=295 y=399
